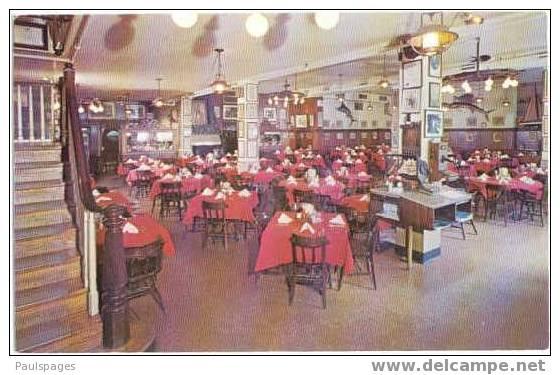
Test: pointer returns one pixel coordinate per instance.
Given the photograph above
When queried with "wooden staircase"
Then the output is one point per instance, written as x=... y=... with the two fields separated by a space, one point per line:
x=50 y=299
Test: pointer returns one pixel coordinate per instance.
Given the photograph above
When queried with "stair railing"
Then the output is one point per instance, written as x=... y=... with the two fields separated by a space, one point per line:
x=114 y=303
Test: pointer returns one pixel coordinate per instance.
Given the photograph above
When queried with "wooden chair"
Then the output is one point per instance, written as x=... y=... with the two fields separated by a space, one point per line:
x=463 y=217
x=363 y=242
x=215 y=222
x=362 y=187
x=280 y=199
x=324 y=203
x=304 y=196
x=532 y=204
x=143 y=183
x=142 y=266
x=498 y=201
x=308 y=266
x=170 y=198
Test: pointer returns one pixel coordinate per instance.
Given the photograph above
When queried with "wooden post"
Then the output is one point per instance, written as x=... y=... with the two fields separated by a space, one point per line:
x=409 y=234
x=114 y=303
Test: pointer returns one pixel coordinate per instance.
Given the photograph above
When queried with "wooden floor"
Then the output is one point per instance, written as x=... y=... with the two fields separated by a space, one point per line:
x=488 y=292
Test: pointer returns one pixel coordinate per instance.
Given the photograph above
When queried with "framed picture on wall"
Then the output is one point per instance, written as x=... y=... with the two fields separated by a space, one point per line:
x=311 y=122
x=136 y=111
x=412 y=74
x=434 y=64
x=434 y=99
x=269 y=113
x=411 y=100
x=252 y=130
x=217 y=111
x=107 y=113
x=230 y=112
x=301 y=121
x=433 y=123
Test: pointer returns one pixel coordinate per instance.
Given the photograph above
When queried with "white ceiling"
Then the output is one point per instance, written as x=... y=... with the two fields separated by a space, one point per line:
x=127 y=53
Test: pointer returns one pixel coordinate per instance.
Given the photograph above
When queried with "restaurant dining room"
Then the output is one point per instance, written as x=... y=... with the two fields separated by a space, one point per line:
x=280 y=181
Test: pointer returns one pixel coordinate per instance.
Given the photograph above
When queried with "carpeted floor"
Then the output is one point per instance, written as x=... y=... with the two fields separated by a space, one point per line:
x=488 y=292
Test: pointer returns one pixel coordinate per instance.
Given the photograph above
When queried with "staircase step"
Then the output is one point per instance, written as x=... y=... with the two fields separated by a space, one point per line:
x=37 y=145
x=75 y=333
x=42 y=218
x=32 y=172
x=47 y=259
x=37 y=153
x=37 y=184
x=22 y=236
x=55 y=301
x=58 y=239
x=35 y=277
x=54 y=192
x=54 y=204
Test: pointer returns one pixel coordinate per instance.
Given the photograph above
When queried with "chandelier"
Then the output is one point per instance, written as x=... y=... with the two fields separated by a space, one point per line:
x=286 y=96
x=433 y=38
x=219 y=85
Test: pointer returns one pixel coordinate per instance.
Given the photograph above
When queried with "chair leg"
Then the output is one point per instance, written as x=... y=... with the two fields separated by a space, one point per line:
x=157 y=297
x=291 y=291
x=473 y=227
x=372 y=266
x=154 y=205
x=324 y=294
x=340 y=276
x=463 y=230
x=541 y=213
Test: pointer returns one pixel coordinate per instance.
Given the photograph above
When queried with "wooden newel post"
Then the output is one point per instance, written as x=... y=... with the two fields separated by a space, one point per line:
x=114 y=303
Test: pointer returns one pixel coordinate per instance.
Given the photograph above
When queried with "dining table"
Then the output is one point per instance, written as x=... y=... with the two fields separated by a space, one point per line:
x=148 y=231
x=334 y=189
x=193 y=183
x=104 y=200
x=515 y=184
x=238 y=207
x=276 y=248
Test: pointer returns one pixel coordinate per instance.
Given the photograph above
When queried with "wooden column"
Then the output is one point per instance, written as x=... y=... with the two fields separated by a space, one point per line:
x=185 y=128
x=545 y=125
x=248 y=138
x=114 y=303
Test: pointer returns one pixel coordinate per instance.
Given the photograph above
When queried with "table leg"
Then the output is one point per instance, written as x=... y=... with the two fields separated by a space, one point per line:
x=409 y=247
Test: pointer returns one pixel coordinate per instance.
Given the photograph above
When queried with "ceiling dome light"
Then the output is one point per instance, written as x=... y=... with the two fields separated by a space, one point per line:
x=466 y=87
x=506 y=103
x=184 y=19
x=81 y=109
x=479 y=100
x=219 y=85
x=269 y=101
x=383 y=83
x=327 y=20
x=432 y=39
x=256 y=25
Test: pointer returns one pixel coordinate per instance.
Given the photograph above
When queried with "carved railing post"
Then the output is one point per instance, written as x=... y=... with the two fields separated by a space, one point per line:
x=114 y=304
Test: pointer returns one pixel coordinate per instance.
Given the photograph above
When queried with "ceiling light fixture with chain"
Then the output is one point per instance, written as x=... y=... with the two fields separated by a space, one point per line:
x=219 y=85
x=432 y=38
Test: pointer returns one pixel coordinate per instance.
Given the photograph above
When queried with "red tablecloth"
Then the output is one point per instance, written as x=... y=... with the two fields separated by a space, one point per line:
x=188 y=185
x=336 y=191
x=238 y=208
x=484 y=166
x=149 y=230
x=264 y=177
x=515 y=184
x=276 y=248
x=362 y=206
x=354 y=178
x=113 y=197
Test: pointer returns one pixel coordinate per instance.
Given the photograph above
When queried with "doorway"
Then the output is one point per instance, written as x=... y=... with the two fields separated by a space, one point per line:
x=110 y=151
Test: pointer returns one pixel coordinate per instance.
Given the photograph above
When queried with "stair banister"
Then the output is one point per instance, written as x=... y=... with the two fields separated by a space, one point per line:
x=114 y=310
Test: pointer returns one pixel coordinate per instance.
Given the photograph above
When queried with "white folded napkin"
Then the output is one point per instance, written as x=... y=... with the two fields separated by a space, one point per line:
x=486 y=161
x=359 y=161
x=129 y=228
x=198 y=176
x=228 y=154
x=144 y=167
x=103 y=199
x=307 y=227
x=338 y=161
x=284 y=219
x=207 y=192
x=540 y=171
x=277 y=152
x=223 y=160
x=95 y=193
x=364 y=198
x=129 y=161
x=463 y=163
x=220 y=195
x=314 y=184
x=483 y=177
x=337 y=220
x=244 y=193
x=362 y=174
x=168 y=176
x=269 y=170
x=318 y=157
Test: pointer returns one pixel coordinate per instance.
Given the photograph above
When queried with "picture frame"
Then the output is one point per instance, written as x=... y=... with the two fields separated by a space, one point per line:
x=412 y=74
x=230 y=112
x=217 y=111
x=433 y=123
x=252 y=130
x=30 y=35
x=199 y=112
x=137 y=111
x=434 y=66
x=107 y=114
x=411 y=100
x=269 y=114
x=434 y=95
x=301 y=121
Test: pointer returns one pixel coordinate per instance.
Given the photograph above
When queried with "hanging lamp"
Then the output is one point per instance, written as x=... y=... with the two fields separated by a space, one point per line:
x=219 y=85
x=434 y=38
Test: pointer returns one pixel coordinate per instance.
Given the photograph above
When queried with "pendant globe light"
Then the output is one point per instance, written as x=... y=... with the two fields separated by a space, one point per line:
x=256 y=25
x=184 y=19
x=219 y=85
x=327 y=20
x=384 y=82
x=434 y=38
